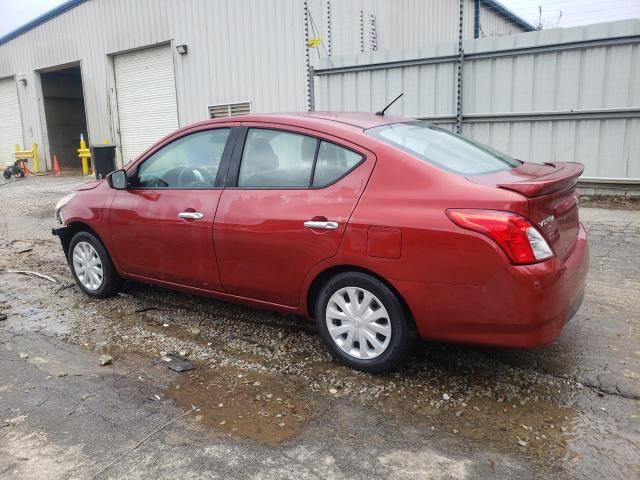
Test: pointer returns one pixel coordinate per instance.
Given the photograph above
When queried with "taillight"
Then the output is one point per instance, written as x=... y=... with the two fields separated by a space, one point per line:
x=517 y=236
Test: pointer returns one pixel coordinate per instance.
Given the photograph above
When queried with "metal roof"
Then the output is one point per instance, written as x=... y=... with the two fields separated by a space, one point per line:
x=508 y=14
x=68 y=5
x=45 y=17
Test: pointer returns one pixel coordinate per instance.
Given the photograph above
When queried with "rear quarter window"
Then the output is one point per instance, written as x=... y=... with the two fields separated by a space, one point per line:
x=442 y=148
x=332 y=163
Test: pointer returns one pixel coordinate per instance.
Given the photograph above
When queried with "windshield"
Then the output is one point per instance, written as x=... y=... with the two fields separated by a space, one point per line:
x=443 y=148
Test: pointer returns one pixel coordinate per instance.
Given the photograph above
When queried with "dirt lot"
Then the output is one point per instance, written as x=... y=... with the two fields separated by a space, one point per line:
x=265 y=399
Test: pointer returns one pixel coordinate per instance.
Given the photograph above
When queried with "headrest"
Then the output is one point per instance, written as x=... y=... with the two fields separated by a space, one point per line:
x=262 y=153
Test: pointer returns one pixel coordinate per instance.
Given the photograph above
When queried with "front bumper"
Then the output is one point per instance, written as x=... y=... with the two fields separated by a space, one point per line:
x=522 y=306
x=64 y=234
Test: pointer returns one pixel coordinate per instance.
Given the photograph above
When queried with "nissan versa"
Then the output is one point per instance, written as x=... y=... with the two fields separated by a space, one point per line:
x=382 y=229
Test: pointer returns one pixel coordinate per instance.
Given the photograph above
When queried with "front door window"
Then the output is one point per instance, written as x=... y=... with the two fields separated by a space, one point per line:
x=190 y=162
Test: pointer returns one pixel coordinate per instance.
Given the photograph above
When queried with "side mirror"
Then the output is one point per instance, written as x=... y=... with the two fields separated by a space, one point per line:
x=118 y=179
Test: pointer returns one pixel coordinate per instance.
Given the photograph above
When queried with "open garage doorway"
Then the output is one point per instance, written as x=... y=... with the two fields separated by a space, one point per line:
x=65 y=115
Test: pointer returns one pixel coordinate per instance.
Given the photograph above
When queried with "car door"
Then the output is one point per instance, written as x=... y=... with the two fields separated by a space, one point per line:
x=289 y=195
x=162 y=224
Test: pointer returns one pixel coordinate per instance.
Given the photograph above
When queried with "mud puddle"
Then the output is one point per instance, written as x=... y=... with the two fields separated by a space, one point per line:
x=244 y=404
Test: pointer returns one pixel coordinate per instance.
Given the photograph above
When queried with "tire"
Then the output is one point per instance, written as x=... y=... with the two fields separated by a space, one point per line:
x=394 y=334
x=7 y=174
x=90 y=248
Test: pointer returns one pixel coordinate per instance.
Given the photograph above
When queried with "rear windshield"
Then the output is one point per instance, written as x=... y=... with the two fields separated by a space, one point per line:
x=443 y=148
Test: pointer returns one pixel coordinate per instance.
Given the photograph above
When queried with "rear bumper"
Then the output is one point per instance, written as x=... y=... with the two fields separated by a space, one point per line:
x=522 y=306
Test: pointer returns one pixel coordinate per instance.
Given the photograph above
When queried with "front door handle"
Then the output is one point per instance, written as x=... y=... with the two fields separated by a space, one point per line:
x=321 y=225
x=191 y=215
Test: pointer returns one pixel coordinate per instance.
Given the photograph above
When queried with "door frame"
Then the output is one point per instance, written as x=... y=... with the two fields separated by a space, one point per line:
x=48 y=161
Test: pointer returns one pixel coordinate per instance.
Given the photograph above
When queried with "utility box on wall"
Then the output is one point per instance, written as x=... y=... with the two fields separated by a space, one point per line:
x=104 y=159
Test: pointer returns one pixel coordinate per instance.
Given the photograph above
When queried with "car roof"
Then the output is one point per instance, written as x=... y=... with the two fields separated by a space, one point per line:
x=317 y=120
x=361 y=120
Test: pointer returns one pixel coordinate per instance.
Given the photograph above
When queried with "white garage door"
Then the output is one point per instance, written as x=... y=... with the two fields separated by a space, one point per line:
x=10 y=120
x=146 y=97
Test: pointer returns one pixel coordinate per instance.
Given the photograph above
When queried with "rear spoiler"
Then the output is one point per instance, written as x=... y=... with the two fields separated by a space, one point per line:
x=564 y=177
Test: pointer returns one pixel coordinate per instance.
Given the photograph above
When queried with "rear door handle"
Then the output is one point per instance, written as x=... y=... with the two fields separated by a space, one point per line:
x=191 y=215
x=321 y=225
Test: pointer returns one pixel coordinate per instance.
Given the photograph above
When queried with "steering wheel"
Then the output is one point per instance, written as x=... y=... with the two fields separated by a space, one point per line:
x=193 y=177
x=185 y=177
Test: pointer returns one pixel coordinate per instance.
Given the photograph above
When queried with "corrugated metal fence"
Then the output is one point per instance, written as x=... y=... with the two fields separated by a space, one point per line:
x=554 y=95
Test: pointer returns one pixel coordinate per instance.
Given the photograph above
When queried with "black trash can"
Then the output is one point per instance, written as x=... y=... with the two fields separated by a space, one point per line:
x=104 y=159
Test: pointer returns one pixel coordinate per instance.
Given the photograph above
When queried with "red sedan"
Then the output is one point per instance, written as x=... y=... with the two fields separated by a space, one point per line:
x=380 y=228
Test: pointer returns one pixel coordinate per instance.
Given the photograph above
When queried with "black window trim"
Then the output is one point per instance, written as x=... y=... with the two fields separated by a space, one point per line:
x=238 y=150
x=218 y=183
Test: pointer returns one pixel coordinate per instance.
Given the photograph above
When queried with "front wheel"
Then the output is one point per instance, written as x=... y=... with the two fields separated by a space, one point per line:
x=91 y=266
x=363 y=323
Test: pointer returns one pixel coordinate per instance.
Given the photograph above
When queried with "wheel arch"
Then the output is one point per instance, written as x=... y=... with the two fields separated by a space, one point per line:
x=322 y=277
x=77 y=226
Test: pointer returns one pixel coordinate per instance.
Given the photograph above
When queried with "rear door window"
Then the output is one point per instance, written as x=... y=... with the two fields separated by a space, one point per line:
x=280 y=159
x=444 y=149
x=273 y=158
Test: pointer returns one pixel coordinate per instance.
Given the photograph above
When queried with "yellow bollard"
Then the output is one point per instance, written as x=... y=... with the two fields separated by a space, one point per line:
x=85 y=154
x=36 y=162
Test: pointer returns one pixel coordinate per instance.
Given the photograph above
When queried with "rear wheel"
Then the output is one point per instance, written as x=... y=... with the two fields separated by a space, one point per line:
x=91 y=266
x=363 y=323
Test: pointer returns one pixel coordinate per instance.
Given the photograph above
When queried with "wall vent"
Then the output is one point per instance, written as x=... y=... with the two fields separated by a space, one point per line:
x=229 y=109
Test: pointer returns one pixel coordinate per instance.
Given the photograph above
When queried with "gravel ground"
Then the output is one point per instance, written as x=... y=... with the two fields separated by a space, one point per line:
x=270 y=401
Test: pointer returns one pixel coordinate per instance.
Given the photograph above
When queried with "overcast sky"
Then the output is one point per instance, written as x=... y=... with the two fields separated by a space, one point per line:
x=14 y=13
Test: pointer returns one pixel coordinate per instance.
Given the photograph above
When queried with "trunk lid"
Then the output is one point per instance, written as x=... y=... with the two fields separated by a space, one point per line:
x=550 y=189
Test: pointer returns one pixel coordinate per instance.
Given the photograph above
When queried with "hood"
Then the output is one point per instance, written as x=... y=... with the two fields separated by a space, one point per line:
x=89 y=185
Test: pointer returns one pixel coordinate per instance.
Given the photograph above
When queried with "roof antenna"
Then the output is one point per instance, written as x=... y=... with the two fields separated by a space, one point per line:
x=381 y=112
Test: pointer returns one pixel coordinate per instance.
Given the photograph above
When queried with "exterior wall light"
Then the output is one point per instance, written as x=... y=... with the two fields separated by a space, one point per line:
x=21 y=78
x=182 y=49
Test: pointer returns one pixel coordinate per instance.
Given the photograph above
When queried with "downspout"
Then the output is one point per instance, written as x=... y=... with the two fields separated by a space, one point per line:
x=459 y=69
x=476 y=18
x=307 y=59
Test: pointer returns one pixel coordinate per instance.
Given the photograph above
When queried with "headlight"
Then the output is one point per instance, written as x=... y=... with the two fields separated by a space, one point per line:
x=61 y=203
